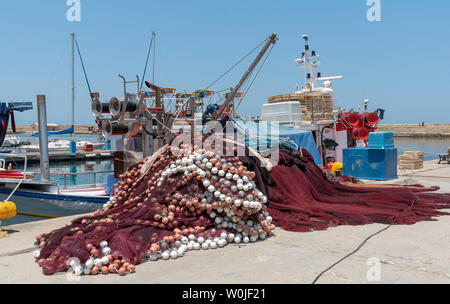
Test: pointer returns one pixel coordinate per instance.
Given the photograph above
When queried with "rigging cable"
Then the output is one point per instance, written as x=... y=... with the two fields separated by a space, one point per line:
x=220 y=77
x=163 y=125
x=146 y=63
x=84 y=71
x=256 y=75
x=55 y=69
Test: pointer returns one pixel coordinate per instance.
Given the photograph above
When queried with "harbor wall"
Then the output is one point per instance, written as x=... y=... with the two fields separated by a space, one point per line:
x=414 y=130
x=79 y=129
x=399 y=130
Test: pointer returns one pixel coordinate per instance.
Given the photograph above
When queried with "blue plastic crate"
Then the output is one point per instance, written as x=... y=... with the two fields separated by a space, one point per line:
x=381 y=140
x=374 y=164
x=110 y=184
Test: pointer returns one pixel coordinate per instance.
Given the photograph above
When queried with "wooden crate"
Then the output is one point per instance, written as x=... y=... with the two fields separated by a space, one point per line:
x=323 y=106
x=411 y=160
x=412 y=155
x=410 y=167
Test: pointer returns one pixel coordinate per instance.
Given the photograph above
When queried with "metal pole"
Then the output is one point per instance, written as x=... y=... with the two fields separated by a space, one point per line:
x=43 y=140
x=159 y=115
x=147 y=139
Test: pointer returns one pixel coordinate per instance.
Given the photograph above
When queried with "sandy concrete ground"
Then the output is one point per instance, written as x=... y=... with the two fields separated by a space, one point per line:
x=418 y=253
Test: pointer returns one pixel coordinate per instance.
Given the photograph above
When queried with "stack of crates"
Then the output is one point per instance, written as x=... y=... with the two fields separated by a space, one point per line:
x=321 y=104
x=411 y=160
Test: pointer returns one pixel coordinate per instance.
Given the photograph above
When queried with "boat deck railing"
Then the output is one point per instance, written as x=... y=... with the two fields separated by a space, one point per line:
x=32 y=174
x=94 y=174
x=25 y=160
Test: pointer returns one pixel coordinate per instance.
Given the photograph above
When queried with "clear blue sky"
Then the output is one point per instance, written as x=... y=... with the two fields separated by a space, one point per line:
x=401 y=64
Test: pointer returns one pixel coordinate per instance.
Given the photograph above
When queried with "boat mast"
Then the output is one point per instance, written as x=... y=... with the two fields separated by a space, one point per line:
x=307 y=62
x=72 y=145
x=73 y=79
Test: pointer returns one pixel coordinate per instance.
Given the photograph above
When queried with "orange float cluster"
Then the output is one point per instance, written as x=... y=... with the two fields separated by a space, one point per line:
x=100 y=261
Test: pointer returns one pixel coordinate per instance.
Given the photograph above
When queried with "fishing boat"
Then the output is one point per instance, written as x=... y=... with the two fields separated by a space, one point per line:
x=314 y=108
x=149 y=119
x=310 y=114
x=14 y=142
x=62 y=145
x=45 y=199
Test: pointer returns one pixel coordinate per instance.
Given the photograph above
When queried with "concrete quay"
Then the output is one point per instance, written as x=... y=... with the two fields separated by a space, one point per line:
x=417 y=253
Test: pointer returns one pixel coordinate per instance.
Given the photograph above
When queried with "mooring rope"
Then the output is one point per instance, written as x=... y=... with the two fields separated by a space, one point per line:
x=37 y=215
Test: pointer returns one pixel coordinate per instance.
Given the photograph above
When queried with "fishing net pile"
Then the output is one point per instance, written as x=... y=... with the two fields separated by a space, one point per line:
x=313 y=202
x=187 y=198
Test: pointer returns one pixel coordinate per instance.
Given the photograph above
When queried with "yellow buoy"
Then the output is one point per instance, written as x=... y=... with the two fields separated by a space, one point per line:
x=7 y=210
x=337 y=167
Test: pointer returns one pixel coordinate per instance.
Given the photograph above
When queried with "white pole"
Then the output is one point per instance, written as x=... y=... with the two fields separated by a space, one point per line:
x=73 y=145
x=73 y=80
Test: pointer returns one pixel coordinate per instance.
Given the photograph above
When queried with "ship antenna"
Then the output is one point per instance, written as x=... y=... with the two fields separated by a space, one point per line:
x=306 y=62
x=309 y=61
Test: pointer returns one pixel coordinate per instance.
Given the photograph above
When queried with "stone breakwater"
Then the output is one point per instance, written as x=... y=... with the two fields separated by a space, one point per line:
x=399 y=130
x=414 y=130
x=80 y=129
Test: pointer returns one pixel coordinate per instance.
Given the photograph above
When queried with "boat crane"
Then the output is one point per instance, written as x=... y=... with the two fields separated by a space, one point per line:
x=132 y=116
x=272 y=39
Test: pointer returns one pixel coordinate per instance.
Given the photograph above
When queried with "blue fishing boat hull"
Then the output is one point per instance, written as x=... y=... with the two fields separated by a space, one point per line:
x=47 y=205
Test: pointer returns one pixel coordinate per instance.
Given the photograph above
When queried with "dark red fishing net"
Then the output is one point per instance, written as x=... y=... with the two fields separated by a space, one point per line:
x=301 y=198
x=151 y=212
x=149 y=216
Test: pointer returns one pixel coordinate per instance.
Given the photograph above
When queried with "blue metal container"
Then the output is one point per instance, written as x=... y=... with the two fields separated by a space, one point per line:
x=374 y=164
x=108 y=144
x=381 y=140
x=73 y=147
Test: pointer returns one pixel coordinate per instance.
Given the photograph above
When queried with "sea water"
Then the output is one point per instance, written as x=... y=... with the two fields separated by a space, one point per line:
x=431 y=147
